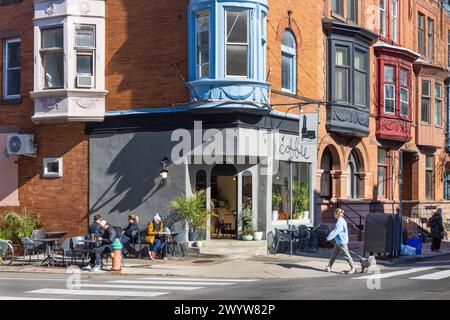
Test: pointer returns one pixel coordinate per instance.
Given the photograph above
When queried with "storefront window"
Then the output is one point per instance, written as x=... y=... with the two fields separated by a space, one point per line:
x=290 y=190
x=247 y=189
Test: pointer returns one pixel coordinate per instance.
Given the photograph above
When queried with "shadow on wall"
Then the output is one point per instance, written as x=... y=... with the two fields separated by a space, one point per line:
x=139 y=58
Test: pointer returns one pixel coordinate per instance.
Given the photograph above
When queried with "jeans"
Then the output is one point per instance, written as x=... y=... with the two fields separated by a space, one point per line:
x=158 y=245
x=337 y=250
x=124 y=240
x=96 y=255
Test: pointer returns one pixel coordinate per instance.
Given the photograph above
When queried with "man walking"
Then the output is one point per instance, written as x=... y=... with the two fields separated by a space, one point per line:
x=340 y=236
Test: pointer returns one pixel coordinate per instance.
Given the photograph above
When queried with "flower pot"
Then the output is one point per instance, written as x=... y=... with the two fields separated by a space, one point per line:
x=247 y=237
x=197 y=235
x=257 y=236
x=275 y=215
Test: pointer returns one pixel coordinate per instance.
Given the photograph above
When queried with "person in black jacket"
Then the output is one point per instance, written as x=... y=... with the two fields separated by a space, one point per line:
x=437 y=230
x=96 y=227
x=130 y=230
x=109 y=236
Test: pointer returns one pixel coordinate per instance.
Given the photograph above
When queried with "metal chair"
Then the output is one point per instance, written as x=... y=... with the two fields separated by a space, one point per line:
x=303 y=237
x=271 y=243
x=134 y=242
x=38 y=234
x=65 y=249
x=283 y=236
x=32 y=247
x=79 y=248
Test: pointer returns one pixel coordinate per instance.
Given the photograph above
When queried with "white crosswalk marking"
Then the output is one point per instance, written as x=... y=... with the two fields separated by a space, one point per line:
x=174 y=282
x=98 y=293
x=394 y=273
x=127 y=286
x=199 y=279
x=434 y=276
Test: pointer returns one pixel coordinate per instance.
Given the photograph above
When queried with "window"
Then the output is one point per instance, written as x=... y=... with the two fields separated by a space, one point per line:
x=426 y=102
x=338 y=7
x=421 y=33
x=202 y=34
x=430 y=39
x=383 y=17
x=353 y=187
x=341 y=81
x=448 y=49
x=237 y=43
x=404 y=92
x=360 y=78
x=326 y=181
x=288 y=61
x=394 y=14
x=352 y=10
x=429 y=177
x=53 y=167
x=11 y=69
x=438 y=105
x=85 y=47
x=389 y=89
x=52 y=51
x=383 y=173
x=447 y=183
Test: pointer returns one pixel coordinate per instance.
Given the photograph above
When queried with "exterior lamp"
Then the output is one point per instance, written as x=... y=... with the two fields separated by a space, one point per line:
x=164 y=173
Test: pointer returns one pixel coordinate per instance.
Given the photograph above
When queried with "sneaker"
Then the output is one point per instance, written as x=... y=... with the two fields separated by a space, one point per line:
x=97 y=269
x=327 y=269
x=88 y=267
x=165 y=258
x=352 y=271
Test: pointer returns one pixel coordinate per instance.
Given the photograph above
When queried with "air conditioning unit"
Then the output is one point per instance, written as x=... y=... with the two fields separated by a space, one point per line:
x=85 y=81
x=20 y=145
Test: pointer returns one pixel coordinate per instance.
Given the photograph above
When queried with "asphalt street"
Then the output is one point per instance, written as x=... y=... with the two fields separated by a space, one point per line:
x=420 y=280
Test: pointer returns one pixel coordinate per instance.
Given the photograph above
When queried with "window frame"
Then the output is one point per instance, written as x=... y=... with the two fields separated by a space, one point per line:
x=43 y=51
x=395 y=18
x=6 y=68
x=408 y=92
x=430 y=38
x=86 y=51
x=383 y=15
x=198 y=73
x=438 y=101
x=430 y=190
x=352 y=5
x=389 y=84
x=337 y=7
x=291 y=54
x=247 y=45
x=427 y=97
x=386 y=167
x=421 y=46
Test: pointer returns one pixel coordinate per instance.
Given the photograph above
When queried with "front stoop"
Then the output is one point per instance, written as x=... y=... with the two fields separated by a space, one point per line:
x=232 y=249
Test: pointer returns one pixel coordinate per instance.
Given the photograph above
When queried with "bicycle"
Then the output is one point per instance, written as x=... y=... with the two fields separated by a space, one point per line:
x=6 y=252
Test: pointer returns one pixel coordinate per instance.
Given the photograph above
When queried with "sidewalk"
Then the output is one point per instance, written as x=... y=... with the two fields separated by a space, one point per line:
x=302 y=265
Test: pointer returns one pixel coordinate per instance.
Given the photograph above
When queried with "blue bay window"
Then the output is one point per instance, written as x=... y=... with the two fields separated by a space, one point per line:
x=227 y=51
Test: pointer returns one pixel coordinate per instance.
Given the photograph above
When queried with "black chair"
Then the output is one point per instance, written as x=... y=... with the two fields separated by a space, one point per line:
x=303 y=237
x=134 y=244
x=31 y=248
x=271 y=243
x=283 y=237
x=65 y=250
x=80 y=249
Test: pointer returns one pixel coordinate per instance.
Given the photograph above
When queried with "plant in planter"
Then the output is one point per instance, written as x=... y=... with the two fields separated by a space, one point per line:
x=300 y=195
x=247 y=233
x=277 y=200
x=193 y=209
x=17 y=225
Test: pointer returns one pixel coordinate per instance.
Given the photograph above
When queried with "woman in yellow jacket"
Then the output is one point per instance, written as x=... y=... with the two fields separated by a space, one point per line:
x=154 y=229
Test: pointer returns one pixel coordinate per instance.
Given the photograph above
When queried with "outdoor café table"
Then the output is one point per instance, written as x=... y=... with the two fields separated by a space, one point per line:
x=48 y=243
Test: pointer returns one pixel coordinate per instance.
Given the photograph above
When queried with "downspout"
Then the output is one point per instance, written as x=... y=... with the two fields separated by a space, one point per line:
x=447 y=111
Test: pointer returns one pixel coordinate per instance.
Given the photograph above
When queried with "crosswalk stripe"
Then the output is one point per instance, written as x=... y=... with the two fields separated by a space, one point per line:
x=127 y=286
x=143 y=282
x=434 y=276
x=97 y=293
x=3 y=298
x=197 y=279
x=394 y=273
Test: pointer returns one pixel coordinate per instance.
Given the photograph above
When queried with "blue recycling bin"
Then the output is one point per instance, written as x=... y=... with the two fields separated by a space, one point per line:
x=416 y=243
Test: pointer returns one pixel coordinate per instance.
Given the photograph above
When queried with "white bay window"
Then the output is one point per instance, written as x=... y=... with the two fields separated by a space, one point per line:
x=52 y=53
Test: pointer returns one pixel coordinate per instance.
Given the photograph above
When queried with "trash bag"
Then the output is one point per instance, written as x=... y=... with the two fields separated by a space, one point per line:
x=407 y=250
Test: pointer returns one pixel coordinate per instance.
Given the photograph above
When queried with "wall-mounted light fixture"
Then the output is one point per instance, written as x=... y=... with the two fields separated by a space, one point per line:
x=164 y=173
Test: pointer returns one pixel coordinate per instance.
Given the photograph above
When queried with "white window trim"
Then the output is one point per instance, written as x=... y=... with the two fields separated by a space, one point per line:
x=407 y=101
x=238 y=44
x=43 y=51
x=390 y=99
x=5 y=69
x=47 y=174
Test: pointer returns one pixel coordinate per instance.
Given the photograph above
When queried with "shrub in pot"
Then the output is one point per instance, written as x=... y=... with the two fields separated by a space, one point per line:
x=300 y=195
x=16 y=225
x=247 y=234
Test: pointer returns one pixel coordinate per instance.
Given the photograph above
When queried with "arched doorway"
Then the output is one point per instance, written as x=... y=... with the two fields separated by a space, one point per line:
x=326 y=181
x=354 y=184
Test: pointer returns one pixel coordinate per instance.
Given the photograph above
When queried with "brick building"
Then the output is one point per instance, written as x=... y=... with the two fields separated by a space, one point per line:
x=104 y=84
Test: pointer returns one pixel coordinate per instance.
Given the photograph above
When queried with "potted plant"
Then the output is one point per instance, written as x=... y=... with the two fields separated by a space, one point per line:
x=193 y=209
x=258 y=235
x=16 y=225
x=300 y=194
x=247 y=233
x=277 y=199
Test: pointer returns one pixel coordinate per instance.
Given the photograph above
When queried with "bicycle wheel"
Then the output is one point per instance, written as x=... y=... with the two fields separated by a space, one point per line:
x=6 y=253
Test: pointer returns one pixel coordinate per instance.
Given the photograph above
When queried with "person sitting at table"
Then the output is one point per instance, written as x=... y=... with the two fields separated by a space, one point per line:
x=154 y=237
x=127 y=233
x=105 y=246
x=96 y=227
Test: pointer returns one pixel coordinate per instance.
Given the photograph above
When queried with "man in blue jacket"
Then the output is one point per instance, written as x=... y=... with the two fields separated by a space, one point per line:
x=340 y=236
x=109 y=236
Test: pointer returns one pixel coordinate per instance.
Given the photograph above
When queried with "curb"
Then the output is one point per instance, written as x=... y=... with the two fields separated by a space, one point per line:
x=410 y=259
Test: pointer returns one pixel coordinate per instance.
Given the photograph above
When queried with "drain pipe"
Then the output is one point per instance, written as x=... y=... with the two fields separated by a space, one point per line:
x=447 y=107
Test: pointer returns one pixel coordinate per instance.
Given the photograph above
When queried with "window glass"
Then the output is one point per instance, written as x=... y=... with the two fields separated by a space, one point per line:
x=300 y=190
x=383 y=17
x=360 y=61
x=237 y=26
x=404 y=78
x=326 y=182
x=85 y=36
x=404 y=102
x=352 y=10
x=429 y=177
x=438 y=105
x=389 y=98
x=354 y=181
x=237 y=42
x=360 y=88
x=12 y=68
x=338 y=7
x=341 y=85
x=54 y=69
x=286 y=76
x=280 y=191
x=203 y=44
x=430 y=40
x=288 y=40
x=52 y=38
x=288 y=61
x=84 y=64
x=394 y=20
x=341 y=56
x=421 y=33
x=426 y=88
x=389 y=74
x=237 y=60
x=425 y=105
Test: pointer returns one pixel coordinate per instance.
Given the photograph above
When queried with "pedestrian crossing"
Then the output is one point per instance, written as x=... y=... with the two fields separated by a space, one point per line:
x=139 y=288
x=426 y=273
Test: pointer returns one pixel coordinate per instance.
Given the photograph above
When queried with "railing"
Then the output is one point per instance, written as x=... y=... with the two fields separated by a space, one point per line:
x=360 y=225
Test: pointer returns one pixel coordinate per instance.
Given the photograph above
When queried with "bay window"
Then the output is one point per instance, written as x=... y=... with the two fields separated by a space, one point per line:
x=288 y=61
x=52 y=52
x=426 y=102
x=236 y=43
x=389 y=89
x=341 y=81
x=202 y=40
x=438 y=105
x=429 y=177
x=11 y=69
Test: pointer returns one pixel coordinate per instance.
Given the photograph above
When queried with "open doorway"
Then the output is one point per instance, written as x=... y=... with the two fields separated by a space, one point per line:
x=224 y=196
